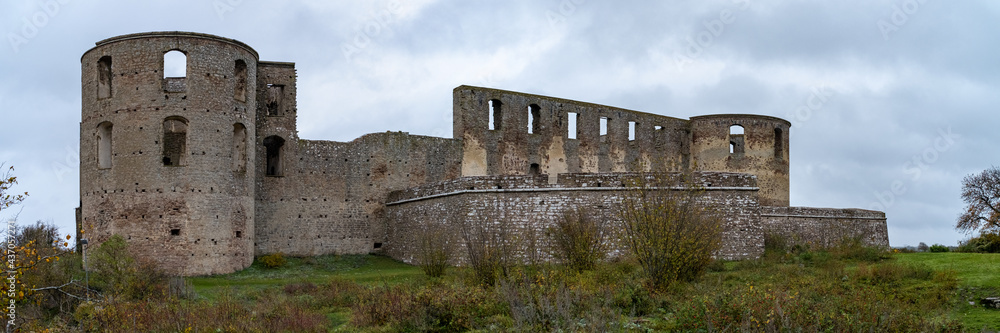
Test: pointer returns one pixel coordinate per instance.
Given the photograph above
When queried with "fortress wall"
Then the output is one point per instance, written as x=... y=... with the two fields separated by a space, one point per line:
x=761 y=151
x=825 y=226
x=331 y=196
x=530 y=204
x=193 y=215
x=657 y=142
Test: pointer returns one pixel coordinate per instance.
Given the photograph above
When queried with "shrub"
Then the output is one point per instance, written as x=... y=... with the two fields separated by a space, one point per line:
x=490 y=242
x=985 y=243
x=120 y=274
x=938 y=248
x=578 y=240
x=670 y=233
x=433 y=250
x=854 y=248
x=273 y=260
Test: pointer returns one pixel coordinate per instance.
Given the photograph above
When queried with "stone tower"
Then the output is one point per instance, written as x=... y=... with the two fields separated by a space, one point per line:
x=744 y=143
x=168 y=162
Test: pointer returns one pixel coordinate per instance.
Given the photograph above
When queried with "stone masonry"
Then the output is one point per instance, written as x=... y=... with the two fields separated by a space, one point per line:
x=204 y=171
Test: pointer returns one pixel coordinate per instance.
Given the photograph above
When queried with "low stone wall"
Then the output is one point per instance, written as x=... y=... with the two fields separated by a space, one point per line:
x=529 y=203
x=825 y=226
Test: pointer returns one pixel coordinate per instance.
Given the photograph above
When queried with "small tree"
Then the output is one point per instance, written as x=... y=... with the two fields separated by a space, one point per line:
x=981 y=193
x=578 y=240
x=922 y=247
x=672 y=233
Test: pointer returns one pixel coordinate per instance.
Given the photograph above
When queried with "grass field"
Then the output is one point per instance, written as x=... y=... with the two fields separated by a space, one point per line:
x=978 y=275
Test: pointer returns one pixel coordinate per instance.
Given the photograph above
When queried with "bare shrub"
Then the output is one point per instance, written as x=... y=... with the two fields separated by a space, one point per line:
x=434 y=250
x=578 y=240
x=491 y=241
x=671 y=232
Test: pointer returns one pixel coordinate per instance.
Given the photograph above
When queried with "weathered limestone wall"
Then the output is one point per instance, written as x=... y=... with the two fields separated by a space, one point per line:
x=761 y=151
x=529 y=202
x=657 y=142
x=194 y=216
x=331 y=197
x=826 y=226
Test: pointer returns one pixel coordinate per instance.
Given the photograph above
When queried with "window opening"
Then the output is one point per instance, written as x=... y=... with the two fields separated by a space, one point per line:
x=104 y=77
x=496 y=115
x=274 y=145
x=174 y=141
x=534 y=115
x=571 y=125
x=174 y=64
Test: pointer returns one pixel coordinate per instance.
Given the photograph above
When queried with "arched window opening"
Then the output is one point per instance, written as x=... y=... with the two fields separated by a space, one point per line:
x=240 y=91
x=174 y=64
x=736 y=141
x=496 y=115
x=239 y=148
x=174 y=141
x=104 y=145
x=534 y=116
x=275 y=94
x=104 y=77
x=571 y=125
x=274 y=145
x=779 y=144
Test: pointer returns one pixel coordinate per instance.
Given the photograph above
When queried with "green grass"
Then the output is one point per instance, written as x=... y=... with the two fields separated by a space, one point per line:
x=974 y=269
x=363 y=269
x=978 y=277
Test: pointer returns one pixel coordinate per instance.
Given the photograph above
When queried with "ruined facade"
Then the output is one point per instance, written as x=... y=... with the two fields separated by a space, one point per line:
x=204 y=170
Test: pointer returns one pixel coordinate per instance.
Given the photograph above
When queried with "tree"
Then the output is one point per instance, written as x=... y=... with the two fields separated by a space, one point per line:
x=981 y=193
x=6 y=181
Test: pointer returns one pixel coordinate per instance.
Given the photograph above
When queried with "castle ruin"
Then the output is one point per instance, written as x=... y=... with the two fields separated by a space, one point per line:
x=203 y=172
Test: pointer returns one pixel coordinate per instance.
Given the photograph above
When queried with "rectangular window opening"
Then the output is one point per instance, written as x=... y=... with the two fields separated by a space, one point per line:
x=175 y=232
x=604 y=126
x=534 y=115
x=571 y=125
x=631 y=131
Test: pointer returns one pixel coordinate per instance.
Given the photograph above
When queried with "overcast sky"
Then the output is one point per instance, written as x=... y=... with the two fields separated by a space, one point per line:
x=891 y=102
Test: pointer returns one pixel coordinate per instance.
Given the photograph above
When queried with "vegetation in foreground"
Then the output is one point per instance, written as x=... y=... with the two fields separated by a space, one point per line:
x=850 y=288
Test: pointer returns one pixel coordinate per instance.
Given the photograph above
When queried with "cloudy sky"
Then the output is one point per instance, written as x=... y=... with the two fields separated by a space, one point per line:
x=891 y=102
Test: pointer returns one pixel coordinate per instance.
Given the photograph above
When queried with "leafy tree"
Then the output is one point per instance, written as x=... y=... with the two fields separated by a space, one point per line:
x=981 y=193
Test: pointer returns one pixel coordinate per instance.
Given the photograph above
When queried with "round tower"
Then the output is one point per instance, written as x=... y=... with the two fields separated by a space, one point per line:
x=164 y=155
x=745 y=143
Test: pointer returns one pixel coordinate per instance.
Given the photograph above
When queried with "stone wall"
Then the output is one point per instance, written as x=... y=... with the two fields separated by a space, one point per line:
x=825 y=226
x=565 y=136
x=331 y=196
x=531 y=203
x=195 y=214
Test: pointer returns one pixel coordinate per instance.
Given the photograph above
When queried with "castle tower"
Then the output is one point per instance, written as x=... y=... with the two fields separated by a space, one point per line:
x=752 y=144
x=166 y=158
